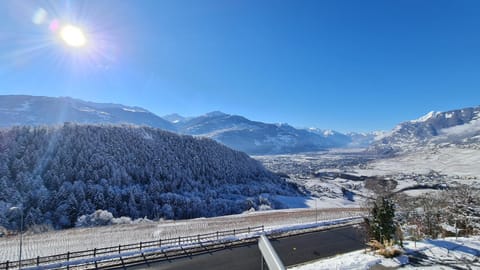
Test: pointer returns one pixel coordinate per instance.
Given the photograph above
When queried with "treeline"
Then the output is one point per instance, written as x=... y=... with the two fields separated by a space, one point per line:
x=57 y=174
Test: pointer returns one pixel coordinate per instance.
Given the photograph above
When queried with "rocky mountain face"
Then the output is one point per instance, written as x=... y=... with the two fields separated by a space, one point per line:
x=35 y=110
x=436 y=129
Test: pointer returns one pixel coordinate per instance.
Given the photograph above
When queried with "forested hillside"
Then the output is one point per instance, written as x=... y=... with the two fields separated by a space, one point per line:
x=60 y=173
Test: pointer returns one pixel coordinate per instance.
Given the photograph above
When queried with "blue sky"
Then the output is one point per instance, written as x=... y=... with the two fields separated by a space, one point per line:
x=344 y=65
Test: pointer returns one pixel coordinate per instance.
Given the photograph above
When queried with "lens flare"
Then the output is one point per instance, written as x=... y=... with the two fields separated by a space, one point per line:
x=54 y=25
x=39 y=16
x=73 y=36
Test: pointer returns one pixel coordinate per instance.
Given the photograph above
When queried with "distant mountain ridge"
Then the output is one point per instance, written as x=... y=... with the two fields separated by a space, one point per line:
x=235 y=131
x=460 y=127
x=436 y=129
x=256 y=137
x=39 y=110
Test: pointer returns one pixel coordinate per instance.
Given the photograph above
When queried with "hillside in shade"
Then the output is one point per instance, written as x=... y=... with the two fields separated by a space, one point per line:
x=59 y=173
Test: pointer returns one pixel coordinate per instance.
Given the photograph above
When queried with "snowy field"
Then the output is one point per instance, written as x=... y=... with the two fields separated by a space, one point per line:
x=328 y=174
x=451 y=161
x=56 y=242
x=448 y=253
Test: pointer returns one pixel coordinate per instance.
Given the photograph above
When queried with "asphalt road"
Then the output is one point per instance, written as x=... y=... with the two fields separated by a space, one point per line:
x=291 y=250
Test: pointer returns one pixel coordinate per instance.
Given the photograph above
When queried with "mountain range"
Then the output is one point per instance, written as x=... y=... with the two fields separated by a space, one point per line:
x=255 y=137
x=459 y=127
x=234 y=131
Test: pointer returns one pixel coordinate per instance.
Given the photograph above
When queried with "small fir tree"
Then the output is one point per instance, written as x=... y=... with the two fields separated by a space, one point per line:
x=382 y=225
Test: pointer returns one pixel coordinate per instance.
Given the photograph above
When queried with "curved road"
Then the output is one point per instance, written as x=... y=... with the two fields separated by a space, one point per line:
x=291 y=250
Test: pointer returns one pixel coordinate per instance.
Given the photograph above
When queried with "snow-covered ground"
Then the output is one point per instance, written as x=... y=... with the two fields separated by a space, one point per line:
x=327 y=175
x=449 y=160
x=448 y=253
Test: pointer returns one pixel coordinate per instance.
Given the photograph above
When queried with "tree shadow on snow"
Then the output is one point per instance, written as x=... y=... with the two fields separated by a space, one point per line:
x=454 y=246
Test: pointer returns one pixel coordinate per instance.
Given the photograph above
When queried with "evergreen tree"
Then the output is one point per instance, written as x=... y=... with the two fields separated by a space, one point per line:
x=381 y=223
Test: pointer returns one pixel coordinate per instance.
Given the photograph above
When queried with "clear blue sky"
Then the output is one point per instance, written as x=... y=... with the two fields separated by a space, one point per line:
x=345 y=65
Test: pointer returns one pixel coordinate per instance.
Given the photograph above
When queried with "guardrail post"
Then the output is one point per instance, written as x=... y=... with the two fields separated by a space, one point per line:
x=263 y=229
x=119 y=249
x=6 y=265
x=68 y=259
x=140 y=245
x=95 y=252
x=248 y=229
x=179 y=240
x=145 y=259
x=198 y=237
x=159 y=242
x=217 y=235
x=38 y=260
x=233 y=232
x=123 y=263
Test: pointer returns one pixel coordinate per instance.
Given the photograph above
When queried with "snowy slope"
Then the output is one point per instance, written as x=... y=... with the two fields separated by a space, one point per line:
x=38 y=110
x=452 y=160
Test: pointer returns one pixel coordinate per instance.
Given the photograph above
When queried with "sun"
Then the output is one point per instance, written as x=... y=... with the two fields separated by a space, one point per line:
x=73 y=36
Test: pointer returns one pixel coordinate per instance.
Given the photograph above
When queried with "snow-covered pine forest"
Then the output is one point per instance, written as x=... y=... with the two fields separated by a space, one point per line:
x=57 y=174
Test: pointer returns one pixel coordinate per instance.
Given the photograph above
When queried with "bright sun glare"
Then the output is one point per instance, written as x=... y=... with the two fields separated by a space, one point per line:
x=73 y=36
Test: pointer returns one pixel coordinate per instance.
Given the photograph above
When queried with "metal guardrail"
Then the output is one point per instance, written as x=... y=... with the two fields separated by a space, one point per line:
x=153 y=257
x=115 y=251
x=149 y=251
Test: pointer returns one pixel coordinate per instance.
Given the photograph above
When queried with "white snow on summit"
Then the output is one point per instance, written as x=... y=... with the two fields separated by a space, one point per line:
x=425 y=117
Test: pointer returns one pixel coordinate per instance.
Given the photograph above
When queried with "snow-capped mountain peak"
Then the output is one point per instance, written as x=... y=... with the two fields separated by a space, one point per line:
x=426 y=117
